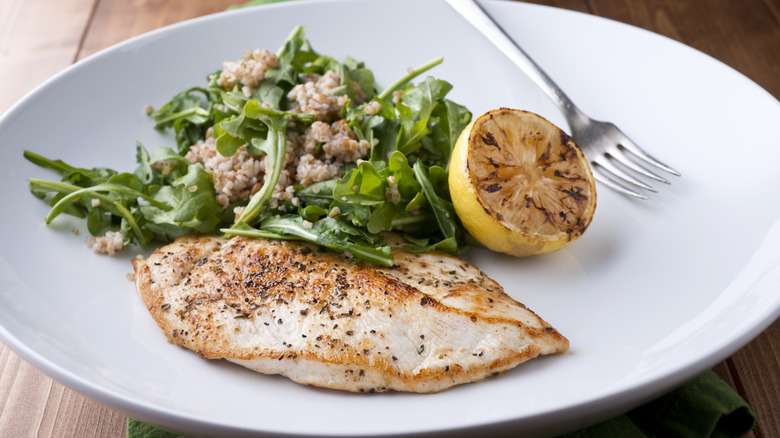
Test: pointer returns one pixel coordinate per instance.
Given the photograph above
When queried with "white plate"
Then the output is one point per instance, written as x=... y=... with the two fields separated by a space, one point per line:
x=655 y=292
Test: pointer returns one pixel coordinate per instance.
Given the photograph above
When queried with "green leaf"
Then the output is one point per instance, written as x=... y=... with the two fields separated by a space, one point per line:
x=422 y=98
x=271 y=94
x=332 y=233
x=144 y=171
x=384 y=134
x=444 y=216
x=364 y=78
x=313 y=213
x=354 y=213
x=167 y=196
x=443 y=211
x=291 y=57
x=416 y=107
x=450 y=245
x=408 y=187
x=234 y=132
x=189 y=113
x=189 y=205
x=319 y=194
x=403 y=81
x=417 y=203
x=167 y=165
x=227 y=144
x=255 y=110
x=362 y=185
x=381 y=218
x=275 y=147
x=98 y=221
x=452 y=120
x=74 y=175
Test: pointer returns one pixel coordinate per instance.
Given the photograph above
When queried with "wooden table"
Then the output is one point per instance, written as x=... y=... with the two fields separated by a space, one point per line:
x=38 y=38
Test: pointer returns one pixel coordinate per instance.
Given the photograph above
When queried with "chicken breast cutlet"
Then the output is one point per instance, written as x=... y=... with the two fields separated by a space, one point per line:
x=284 y=307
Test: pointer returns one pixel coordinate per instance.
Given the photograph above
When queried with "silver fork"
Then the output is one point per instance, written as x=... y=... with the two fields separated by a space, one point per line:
x=602 y=142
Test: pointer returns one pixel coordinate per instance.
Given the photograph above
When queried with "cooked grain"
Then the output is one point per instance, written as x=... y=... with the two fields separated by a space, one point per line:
x=249 y=70
x=109 y=244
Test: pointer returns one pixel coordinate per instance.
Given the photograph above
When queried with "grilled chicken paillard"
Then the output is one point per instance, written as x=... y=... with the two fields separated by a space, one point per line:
x=281 y=307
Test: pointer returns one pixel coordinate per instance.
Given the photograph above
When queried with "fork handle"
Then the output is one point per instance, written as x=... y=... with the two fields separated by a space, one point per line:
x=476 y=15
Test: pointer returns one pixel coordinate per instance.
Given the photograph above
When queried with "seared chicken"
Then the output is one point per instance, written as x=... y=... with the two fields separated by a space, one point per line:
x=281 y=307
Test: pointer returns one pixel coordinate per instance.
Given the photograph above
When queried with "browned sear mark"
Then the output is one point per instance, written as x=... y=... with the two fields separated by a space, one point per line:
x=489 y=139
x=492 y=188
x=576 y=194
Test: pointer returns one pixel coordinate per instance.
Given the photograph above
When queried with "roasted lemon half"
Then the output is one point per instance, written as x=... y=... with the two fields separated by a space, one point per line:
x=519 y=184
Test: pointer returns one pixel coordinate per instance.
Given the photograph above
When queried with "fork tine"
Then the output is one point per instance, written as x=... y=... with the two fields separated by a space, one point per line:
x=603 y=179
x=616 y=172
x=632 y=147
x=621 y=157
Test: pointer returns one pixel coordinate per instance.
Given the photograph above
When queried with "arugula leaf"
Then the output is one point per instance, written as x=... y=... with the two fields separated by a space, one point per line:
x=443 y=211
x=369 y=183
x=74 y=175
x=399 y=168
x=417 y=107
x=405 y=80
x=165 y=197
x=402 y=186
x=235 y=132
x=275 y=147
x=362 y=76
x=451 y=119
x=189 y=113
x=294 y=54
x=331 y=233
x=381 y=218
x=319 y=194
x=111 y=197
x=381 y=131
x=185 y=206
x=424 y=123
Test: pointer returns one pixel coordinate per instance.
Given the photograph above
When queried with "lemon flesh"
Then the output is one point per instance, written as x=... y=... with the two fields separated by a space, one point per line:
x=519 y=184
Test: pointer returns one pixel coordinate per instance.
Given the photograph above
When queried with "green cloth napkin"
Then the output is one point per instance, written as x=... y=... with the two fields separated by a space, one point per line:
x=704 y=407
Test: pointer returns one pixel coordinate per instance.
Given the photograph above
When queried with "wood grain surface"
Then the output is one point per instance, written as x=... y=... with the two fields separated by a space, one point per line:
x=39 y=38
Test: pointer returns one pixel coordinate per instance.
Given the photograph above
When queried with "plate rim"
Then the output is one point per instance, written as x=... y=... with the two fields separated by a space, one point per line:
x=158 y=413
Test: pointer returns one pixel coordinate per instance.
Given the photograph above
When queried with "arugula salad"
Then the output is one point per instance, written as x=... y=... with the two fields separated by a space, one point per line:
x=398 y=182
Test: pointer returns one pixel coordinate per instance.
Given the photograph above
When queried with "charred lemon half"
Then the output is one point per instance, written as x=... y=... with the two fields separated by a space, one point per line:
x=519 y=184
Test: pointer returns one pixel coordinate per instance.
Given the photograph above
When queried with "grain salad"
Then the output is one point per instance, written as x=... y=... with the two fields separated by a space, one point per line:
x=291 y=144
